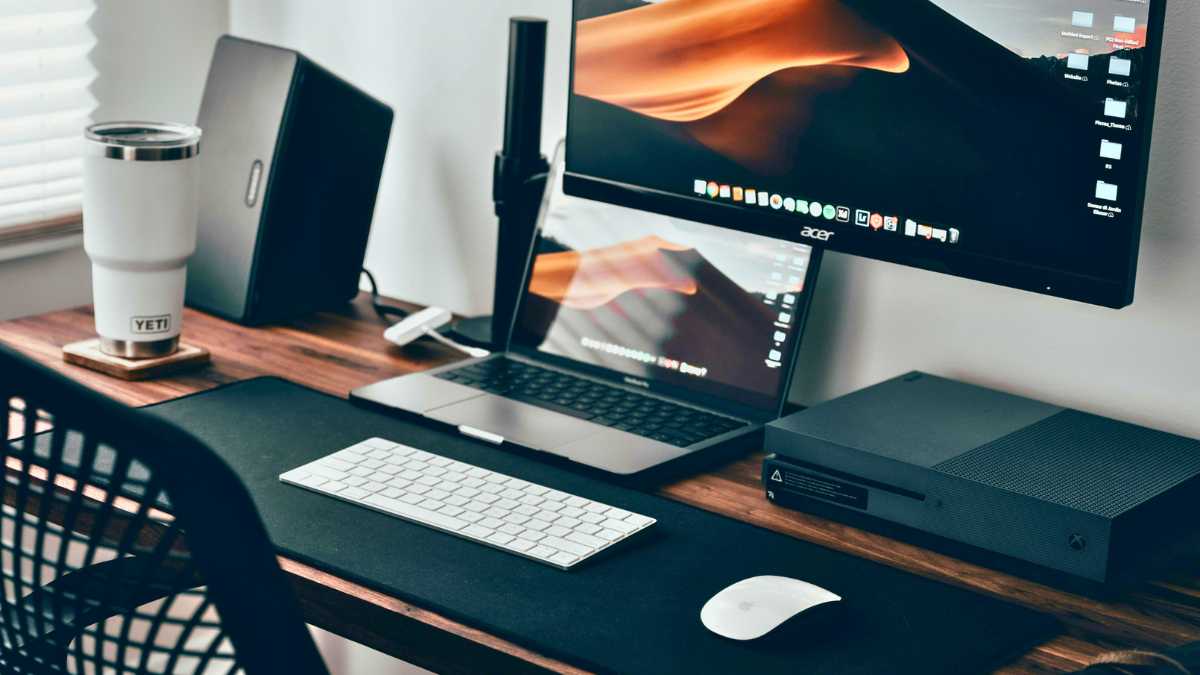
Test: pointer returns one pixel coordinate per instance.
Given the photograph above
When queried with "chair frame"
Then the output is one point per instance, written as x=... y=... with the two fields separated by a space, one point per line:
x=227 y=543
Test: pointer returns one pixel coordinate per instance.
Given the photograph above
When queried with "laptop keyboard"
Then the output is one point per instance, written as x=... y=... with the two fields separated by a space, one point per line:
x=609 y=406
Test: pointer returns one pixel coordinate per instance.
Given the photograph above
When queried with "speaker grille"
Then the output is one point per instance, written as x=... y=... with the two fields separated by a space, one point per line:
x=1084 y=462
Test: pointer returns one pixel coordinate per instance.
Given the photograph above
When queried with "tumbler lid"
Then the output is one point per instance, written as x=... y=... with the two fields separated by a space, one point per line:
x=143 y=141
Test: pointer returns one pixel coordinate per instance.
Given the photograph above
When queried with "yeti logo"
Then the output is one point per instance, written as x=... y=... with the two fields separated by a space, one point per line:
x=150 y=325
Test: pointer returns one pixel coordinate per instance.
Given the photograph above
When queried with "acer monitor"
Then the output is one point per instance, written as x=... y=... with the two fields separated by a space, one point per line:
x=1002 y=142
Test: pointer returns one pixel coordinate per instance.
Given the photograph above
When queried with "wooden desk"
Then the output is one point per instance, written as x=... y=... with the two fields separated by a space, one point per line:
x=338 y=351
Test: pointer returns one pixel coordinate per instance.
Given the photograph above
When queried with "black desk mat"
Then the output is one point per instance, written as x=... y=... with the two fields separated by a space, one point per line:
x=633 y=611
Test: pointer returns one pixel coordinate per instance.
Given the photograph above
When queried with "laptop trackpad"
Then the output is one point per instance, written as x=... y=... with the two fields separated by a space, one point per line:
x=517 y=422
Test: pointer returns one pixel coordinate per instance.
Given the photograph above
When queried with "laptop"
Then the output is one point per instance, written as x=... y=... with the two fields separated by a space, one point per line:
x=639 y=340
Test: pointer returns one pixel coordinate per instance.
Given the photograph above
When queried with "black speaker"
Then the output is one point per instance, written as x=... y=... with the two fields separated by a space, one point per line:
x=518 y=179
x=289 y=173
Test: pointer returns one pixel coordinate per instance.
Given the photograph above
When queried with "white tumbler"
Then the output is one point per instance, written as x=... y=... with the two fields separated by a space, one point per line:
x=139 y=229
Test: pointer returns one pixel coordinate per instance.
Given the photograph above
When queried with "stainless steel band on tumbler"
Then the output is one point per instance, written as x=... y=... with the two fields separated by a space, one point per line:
x=143 y=141
x=127 y=349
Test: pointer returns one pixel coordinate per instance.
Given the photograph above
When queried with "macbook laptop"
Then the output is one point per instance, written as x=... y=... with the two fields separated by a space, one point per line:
x=638 y=340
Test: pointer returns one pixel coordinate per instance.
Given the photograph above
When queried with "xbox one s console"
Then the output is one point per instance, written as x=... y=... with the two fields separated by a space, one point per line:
x=1065 y=490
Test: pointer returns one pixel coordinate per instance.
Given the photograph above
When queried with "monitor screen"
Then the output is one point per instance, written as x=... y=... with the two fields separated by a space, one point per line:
x=665 y=302
x=1001 y=141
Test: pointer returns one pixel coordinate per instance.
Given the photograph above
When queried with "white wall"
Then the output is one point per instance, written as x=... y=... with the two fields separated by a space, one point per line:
x=153 y=57
x=441 y=65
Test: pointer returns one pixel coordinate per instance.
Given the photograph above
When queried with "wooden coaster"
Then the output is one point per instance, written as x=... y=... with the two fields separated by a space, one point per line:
x=88 y=355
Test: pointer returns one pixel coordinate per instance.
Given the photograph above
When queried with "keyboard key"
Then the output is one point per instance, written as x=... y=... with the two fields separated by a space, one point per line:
x=621 y=526
x=312 y=480
x=337 y=464
x=354 y=493
x=500 y=538
x=409 y=511
x=478 y=531
x=568 y=546
x=638 y=520
x=586 y=539
x=563 y=559
x=331 y=474
x=543 y=552
x=521 y=545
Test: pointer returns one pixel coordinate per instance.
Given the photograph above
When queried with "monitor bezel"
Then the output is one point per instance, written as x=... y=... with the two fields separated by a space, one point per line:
x=1114 y=293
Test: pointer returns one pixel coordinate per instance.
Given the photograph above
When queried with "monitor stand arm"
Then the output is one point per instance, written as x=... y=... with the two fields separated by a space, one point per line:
x=517 y=214
x=516 y=188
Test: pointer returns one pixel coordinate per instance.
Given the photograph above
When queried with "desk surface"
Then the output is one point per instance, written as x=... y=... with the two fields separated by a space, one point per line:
x=338 y=351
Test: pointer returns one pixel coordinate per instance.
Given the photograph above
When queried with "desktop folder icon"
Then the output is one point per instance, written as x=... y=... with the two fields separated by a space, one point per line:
x=1083 y=19
x=1115 y=108
x=1120 y=66
x=1078 y=61
x=1125 y=24
x=1106 y=191
x=1110 y=150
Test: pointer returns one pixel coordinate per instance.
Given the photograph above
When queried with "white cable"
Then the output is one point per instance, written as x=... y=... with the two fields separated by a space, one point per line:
x=475 y=352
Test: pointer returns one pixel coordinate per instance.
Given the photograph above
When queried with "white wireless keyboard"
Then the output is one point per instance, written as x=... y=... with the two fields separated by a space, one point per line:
x=491 y=508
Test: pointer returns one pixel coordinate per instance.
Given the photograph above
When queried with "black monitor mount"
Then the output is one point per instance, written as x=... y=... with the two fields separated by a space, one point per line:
x=518 y=181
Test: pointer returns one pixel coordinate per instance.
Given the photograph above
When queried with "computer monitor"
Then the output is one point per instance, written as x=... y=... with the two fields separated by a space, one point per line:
x=698 y=312
x=1001 y=141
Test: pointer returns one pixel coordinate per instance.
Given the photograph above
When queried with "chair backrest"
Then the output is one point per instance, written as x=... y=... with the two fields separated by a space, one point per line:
x=127 y=545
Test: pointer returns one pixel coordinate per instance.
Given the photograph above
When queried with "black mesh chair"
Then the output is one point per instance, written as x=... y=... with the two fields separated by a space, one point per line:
x=126 y=545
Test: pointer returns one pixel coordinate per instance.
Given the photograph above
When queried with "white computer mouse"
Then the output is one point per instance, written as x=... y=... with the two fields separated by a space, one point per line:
x=752 y=608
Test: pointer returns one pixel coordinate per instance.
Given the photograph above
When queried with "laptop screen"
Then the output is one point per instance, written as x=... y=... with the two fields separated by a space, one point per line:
x=664 y=301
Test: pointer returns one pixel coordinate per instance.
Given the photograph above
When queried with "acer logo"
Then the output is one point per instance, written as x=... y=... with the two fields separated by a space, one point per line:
x=814 y=233
x=637 y=383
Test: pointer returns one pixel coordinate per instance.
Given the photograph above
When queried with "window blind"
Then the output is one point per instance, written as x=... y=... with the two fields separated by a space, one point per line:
x=44 y=106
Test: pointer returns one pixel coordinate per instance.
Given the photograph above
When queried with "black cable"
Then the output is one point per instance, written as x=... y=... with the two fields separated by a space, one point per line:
x=384 y=311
